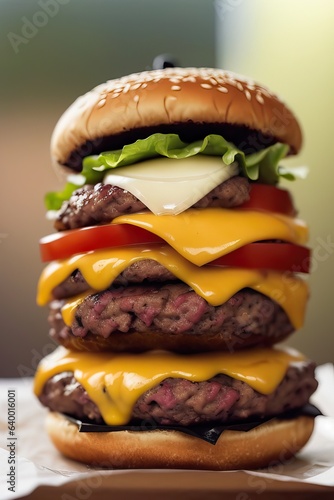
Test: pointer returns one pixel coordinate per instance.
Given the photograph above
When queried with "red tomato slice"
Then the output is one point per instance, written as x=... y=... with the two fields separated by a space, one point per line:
x=66 y=243
x=277 y=256
x=270 y=198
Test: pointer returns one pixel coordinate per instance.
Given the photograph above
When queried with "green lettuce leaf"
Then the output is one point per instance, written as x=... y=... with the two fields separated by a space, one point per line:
x=261 y=166
x=54 y=199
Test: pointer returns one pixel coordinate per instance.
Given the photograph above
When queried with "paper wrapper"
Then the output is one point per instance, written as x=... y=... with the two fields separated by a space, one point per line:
x=38 y=463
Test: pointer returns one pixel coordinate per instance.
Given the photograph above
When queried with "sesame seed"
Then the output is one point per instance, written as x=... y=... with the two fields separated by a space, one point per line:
x=175 y=87
x=117 y=88
x=224 y=90
x=259 y=98
x=136 y=86
x=239 y=86
x=248 y=95
x=101 y=103
x=265 y=92
x=136 y=98
x=230 y=81
x=191 y=79
x=206 y=86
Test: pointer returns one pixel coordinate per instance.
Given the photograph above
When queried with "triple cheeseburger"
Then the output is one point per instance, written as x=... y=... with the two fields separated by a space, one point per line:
x=177 y=267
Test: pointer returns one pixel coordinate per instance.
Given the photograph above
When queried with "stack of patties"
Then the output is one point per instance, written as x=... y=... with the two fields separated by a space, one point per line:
x=177 y=267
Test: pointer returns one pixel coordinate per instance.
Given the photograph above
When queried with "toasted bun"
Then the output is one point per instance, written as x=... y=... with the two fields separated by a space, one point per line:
x=272 y=442
x=152 y=101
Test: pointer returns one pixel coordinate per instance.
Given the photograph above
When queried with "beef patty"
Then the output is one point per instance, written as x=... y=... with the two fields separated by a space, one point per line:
x=169 y=316
x=91 y=205
x=182 y=402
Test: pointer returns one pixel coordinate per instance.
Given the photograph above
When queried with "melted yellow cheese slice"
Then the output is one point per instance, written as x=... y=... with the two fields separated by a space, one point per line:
x=116 y=382
x=214 y=284
x=201 y=236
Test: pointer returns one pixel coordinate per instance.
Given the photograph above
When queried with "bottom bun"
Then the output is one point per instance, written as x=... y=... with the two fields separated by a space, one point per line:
x=274 y=441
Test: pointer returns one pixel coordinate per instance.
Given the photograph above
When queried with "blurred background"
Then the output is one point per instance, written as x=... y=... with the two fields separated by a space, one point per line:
x=51 y=51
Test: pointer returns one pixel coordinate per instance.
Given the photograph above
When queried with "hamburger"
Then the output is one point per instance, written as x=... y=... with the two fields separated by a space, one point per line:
x=176 y=268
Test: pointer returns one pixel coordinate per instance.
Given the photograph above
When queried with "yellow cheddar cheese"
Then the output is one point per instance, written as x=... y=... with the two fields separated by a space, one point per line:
x=214 y=284
x=201 y=236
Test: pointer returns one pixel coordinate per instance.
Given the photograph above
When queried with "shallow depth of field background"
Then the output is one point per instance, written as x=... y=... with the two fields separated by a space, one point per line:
x=51 y=51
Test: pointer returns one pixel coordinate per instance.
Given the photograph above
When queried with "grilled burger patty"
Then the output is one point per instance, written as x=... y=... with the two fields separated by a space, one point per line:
x=181 y=402
x=147 y=270
x=148 y=316
x=101 y=203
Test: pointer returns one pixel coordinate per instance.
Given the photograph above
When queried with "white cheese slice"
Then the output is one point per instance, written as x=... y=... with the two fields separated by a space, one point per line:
x=170 y=186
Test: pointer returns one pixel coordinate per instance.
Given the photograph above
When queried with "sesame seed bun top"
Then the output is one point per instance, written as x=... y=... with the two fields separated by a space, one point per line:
x=200 y=100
